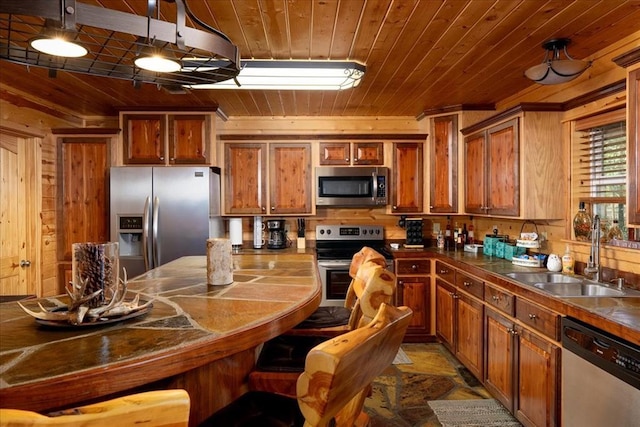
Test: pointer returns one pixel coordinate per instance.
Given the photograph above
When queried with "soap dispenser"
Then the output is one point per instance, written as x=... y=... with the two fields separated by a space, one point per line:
x=567 y=261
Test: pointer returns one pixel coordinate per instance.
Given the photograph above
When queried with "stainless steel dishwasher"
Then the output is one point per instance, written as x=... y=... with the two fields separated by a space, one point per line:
x=600 y=378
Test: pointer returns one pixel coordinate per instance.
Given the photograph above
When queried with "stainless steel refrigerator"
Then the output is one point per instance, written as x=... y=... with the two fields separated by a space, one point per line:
x=159 y=214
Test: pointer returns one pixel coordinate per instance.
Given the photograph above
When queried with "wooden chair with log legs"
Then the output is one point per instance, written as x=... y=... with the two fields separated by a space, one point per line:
x=160 y=408
x=281 y=359
x=335 y=382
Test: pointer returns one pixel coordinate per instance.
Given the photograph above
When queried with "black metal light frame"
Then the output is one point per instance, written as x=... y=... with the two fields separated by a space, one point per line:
x=114 y=39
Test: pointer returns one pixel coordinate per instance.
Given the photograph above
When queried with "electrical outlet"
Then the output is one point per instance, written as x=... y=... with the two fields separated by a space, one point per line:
x=543 y=235
x=286 y=228
x=495 y=229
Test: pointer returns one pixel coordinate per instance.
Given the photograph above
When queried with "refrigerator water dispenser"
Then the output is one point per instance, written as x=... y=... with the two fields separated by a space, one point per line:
x=130 y=235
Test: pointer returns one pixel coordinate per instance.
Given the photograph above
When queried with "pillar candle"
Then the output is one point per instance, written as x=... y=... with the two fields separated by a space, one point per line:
x=219 y=262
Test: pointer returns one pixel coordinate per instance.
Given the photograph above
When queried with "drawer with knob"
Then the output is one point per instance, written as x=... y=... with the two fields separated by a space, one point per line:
x=445 y=272
x=503 y=301
x=469 y=284
x=413 y=266
x=539 y=318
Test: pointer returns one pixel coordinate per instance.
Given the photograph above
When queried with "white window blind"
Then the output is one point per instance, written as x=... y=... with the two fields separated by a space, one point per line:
x=600 y=164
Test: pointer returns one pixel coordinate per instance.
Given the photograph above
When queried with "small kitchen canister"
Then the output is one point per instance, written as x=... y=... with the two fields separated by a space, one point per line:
x=219 y=262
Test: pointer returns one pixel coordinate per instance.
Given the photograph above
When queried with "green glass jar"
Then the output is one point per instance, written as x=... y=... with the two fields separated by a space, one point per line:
x=582 y=225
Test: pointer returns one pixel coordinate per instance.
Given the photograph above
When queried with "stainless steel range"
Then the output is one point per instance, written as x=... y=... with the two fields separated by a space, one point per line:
x=335 y=247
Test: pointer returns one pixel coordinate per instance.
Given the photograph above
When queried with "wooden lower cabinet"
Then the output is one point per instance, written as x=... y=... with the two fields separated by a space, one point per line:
x=459 y=320
x=522 y=370
x=414 y=291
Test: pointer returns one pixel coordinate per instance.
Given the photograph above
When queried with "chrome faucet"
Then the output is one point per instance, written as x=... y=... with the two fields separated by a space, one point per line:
x=593 y=266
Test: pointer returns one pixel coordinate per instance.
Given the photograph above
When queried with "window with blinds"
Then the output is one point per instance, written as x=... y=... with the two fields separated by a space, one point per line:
x=600 y=166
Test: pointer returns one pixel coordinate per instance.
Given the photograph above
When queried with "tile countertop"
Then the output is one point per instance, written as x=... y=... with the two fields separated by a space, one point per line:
x=617 y=315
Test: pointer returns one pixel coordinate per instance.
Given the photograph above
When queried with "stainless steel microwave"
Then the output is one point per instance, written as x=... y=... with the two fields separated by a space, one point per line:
x=351 y=186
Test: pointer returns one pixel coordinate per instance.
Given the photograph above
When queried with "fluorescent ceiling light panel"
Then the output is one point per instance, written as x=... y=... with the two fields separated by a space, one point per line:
x=286 y=75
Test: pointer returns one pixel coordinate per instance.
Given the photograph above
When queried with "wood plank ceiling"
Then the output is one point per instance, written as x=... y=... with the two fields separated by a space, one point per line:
x=419 y=54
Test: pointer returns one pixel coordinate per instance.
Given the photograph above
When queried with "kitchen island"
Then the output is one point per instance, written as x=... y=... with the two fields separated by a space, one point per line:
x=197 y=337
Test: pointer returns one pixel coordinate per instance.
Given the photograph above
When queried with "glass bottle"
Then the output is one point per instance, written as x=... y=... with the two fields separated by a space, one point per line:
x=615 y=232
x=582 y=224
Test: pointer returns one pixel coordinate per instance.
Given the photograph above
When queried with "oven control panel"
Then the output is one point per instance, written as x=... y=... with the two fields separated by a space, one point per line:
x=349 y=232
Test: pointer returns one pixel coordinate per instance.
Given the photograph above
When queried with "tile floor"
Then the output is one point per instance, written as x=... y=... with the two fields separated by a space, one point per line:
x=401 y=393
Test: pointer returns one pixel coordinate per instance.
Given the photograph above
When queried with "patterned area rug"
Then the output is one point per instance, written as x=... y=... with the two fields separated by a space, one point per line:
x=472 y=413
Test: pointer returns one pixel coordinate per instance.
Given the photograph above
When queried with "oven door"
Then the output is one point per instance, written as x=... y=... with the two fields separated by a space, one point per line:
x=334 y=275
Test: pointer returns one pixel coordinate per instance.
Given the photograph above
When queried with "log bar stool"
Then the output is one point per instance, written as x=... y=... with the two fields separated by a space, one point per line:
x=162 y=408
x=281 y=359
x=331 y=321
x=335 y=382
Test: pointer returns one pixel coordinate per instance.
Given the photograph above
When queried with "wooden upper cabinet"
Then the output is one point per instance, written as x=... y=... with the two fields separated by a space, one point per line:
x=339 y=153
x=290 y=178
x=492 y=185
x=443 y=196
x=144 y=138
x=633 y=136
x=503 y=184
x=407 y=177
x=287 y=179
x=335 y=153
x=245 y=174
x=188 y=139
x=475 y=176
x=368 y=153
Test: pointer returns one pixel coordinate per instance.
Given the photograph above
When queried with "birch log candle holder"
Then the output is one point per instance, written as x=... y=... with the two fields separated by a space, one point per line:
x=219 y=262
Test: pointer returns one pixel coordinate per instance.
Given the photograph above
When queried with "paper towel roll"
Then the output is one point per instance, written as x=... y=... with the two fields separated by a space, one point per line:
x=235 y=232
x=219 y=262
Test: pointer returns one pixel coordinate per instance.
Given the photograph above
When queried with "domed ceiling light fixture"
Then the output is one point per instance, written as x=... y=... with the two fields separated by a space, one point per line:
x=554 y=70
x=114 y=40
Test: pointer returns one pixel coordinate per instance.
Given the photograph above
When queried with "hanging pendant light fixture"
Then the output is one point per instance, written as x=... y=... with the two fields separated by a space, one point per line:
x=115 y=44
x=553 y=69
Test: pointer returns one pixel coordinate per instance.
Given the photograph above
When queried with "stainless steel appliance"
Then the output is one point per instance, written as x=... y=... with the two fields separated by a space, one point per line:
x=277 y=236
x=335 y=247
x=600 y=378
x=159 y=214
x=351 y=186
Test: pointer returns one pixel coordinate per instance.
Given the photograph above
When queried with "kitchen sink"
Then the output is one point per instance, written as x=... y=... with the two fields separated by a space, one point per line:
x=547 y=277
x=579 y=289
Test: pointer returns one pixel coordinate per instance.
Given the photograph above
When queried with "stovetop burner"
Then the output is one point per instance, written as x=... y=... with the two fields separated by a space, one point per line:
x=343 y=241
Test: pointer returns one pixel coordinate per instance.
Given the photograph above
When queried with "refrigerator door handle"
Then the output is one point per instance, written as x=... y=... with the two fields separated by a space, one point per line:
x=145 y=233
x=156 y=243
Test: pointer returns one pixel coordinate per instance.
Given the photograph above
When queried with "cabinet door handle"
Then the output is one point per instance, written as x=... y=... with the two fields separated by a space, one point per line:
x=467 y=284
x=444 y=271
x=25 y=263
x=273 y=208
x=414 y=267
x=452 y=294
x=495 y=297
x=532 y=316
x=263 y=209
x=395 y=207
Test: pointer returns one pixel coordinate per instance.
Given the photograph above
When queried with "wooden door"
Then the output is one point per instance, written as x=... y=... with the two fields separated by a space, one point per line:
x=19 y=209
x=144 y=138
x=83 y=199
x=499 y=372
x=475 y=196
x=290 y=179
x=503 y=182
x=443 y=195
x=537 y=401
x=368 y=153
x=414 y=292
x=188 y=139
x=633 y=144
x=245 y=173
x=407 y=176
x=469 y=333
x=335 y=153
x=445 y=312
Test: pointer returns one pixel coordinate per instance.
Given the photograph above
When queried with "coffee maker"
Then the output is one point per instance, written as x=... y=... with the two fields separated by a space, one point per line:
x=277 y=237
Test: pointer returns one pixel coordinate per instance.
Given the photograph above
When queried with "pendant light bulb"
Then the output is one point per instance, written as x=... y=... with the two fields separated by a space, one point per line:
x=58 y=46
